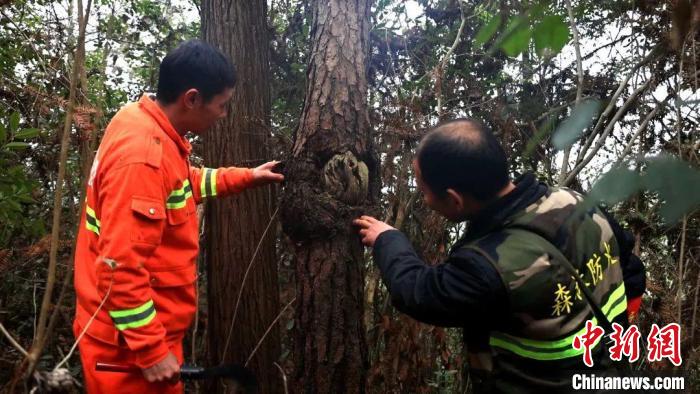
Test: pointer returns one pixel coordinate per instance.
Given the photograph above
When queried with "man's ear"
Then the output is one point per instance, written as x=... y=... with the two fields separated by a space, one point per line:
x=456 y=199
x=191 y=98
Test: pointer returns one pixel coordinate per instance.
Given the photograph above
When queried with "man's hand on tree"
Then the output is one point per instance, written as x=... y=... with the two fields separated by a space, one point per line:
x=167 y=370
x=370 y=228
x=263 y=174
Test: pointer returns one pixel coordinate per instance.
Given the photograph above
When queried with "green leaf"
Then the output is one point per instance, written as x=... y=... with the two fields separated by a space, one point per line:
x=614 y=186
x=17 y=145
x=26 y=134
x=14 y=122
x=677 y=184
x=551 y=33
x=570 y=130
x=487 y=30
x=517 y=41
x=3 y=133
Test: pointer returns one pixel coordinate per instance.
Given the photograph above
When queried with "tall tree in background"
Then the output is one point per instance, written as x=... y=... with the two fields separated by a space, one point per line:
x=235 y=226
x=332 y=174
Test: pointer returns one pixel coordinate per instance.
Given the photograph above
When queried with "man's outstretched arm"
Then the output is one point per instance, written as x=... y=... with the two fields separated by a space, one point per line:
x=459 y=292
x=224 y=181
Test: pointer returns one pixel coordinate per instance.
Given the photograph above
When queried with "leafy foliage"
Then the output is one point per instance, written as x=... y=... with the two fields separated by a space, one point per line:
x=539 y=25
x=16 y=189
x=676 y=184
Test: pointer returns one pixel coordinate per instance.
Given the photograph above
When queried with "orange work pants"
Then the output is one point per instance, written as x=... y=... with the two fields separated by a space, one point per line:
x=98 y=382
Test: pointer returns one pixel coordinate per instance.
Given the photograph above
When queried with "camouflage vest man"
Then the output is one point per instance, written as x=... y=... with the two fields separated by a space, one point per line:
x=532 y=250
x=511 y=281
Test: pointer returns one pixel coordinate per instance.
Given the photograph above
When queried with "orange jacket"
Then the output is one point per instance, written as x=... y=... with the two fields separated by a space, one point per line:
x=139 y=239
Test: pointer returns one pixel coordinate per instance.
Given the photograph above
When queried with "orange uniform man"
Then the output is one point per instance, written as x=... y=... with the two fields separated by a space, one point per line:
x=135 y=265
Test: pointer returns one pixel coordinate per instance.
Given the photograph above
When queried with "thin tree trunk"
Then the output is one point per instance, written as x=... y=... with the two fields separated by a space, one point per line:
x=43 y=326
x=332 y=178
x=681 y=270
x=695 y=311
x=236 y=225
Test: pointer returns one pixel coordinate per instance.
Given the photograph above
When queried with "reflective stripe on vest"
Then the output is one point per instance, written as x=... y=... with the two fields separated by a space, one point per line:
x=561 y=348
x=178 y=198
x=134 y=318
x=208 y=184
x=92 y=223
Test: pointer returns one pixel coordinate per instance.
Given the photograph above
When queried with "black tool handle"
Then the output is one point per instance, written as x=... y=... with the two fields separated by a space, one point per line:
x=190 y=372
x=187 y=372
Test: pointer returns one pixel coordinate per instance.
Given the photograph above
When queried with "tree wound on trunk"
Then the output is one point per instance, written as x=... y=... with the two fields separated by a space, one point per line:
x=322 y=200
x=346 y=178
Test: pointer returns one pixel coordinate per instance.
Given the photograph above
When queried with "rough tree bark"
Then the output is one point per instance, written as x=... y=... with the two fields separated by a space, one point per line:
x=332 y=177
x=234 y=226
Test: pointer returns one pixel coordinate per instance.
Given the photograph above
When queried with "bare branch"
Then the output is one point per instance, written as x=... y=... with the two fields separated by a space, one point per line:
x=12 y=340
x=611 y=125
x=681 y=271
x=553 y=110
x=87 y=325
x=640 y=130
x=284 y=377
x=579 y=88
x=245 y=276
x=279 y=315
x=695 y=309
x=440 y=69
x=611 y=104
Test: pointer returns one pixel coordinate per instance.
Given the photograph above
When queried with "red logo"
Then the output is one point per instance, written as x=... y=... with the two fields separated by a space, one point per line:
x=665 y=343
x=626 y=343
x=661 y=343
x=587 y=340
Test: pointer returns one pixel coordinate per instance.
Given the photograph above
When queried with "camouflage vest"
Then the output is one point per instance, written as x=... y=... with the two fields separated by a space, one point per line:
x=532 y=350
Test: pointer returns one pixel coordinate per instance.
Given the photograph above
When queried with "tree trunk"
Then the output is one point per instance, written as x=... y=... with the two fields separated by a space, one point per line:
x=235 y=226
x=332 y=178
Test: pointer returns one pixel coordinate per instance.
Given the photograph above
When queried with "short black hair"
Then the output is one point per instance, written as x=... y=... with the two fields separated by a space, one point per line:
x=464 y=155
x=194 y=64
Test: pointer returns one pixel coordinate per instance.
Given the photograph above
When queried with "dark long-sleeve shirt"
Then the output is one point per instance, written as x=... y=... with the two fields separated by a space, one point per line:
x=450 y=294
